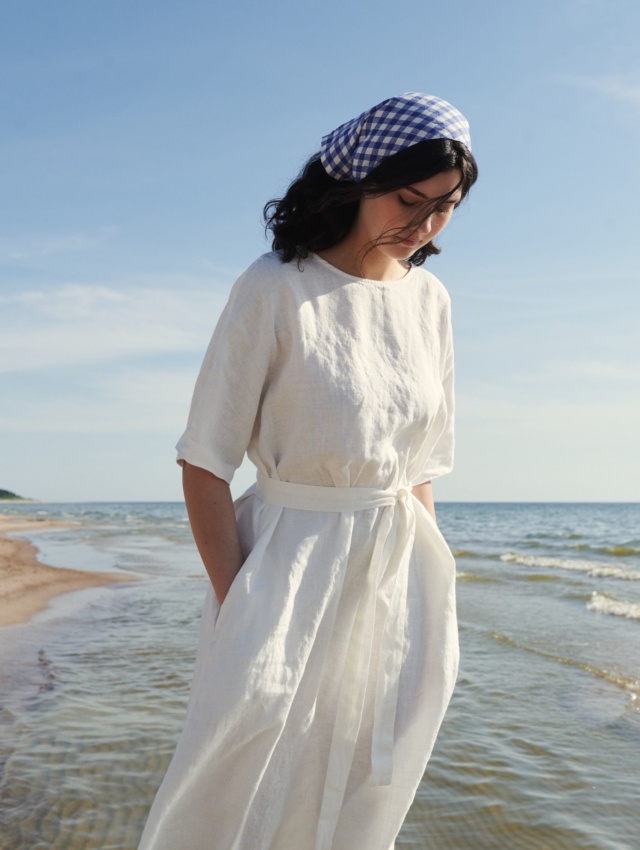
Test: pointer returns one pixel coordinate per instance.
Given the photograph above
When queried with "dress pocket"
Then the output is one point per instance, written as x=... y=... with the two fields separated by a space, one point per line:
x=228 y=600
x=433 y=532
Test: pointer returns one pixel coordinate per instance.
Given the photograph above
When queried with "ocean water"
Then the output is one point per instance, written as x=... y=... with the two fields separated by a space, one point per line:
x=540 y=749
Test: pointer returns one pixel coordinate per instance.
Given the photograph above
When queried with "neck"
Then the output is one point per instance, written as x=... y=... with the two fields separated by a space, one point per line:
x=351 y=257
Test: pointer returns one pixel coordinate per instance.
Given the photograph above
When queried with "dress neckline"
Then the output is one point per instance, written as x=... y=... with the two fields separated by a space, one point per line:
x=356 y=279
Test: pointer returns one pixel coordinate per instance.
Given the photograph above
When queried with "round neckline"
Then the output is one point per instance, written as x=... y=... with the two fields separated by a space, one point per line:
x=357 y=279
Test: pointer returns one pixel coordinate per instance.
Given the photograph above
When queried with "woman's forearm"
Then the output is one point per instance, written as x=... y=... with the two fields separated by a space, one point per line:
x=213 y=522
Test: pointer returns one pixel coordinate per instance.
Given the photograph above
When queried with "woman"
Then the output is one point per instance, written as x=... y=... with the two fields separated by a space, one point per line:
x=328 y=647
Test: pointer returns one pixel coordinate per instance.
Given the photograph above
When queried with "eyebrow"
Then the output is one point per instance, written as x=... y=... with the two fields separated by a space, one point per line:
x=426 y=198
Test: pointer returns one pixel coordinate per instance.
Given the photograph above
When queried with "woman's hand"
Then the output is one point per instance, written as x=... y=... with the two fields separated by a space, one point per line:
x=424 y=494
x=213 y=522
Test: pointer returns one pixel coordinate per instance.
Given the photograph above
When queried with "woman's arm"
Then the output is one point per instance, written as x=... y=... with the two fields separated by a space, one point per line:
x=213 y=522
x=424 y=494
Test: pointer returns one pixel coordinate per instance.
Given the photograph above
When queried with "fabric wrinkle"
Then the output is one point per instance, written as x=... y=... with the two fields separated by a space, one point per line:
x=322 y=680
x=397 y=528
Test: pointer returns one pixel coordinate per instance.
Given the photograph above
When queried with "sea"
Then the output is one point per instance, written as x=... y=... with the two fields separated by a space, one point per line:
x=540 y=749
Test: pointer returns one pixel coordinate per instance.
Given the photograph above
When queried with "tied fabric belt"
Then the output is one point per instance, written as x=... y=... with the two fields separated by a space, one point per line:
x=385 y=589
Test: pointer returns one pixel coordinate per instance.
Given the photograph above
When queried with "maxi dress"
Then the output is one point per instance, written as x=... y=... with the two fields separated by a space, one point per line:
x=322 y=680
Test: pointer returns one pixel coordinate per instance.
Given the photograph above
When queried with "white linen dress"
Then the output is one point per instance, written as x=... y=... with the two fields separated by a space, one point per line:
x=321 y=682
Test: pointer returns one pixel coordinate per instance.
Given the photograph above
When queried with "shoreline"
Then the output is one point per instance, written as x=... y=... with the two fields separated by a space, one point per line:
x=27 y=585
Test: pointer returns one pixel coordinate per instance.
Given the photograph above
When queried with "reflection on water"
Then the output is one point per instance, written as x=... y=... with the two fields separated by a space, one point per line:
x=539 y=748
x=90 y=727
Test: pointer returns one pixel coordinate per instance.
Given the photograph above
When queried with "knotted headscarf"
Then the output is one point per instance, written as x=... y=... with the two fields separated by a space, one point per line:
x=354 y=149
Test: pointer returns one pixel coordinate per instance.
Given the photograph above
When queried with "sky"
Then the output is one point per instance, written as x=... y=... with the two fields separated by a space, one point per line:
x=140 y=141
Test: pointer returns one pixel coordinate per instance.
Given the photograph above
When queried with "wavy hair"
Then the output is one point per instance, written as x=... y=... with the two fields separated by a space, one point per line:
x=317 y=211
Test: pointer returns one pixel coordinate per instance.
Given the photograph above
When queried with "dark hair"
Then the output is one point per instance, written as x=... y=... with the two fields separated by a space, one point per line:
x=318 y=211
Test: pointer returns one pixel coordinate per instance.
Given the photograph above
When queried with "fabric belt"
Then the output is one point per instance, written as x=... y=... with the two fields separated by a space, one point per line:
x=385 y=589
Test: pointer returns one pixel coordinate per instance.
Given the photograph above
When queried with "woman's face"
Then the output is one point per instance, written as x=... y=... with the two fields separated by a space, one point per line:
x=405 y=219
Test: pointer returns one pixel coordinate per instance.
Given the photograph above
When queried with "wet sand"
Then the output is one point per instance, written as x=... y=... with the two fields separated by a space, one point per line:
x=26 y=585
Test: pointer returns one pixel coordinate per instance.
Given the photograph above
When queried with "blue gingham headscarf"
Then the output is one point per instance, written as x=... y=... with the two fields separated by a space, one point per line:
x=354 y=149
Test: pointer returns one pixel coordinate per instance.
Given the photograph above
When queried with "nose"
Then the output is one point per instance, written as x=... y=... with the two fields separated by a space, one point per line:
x=424 y=228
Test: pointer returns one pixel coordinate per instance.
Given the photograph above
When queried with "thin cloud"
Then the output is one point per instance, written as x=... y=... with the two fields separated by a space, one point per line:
x=567 y=376
x=139 y=401
x=79 y=324
x=617 y=88
x=609 y=371
x=31 y=246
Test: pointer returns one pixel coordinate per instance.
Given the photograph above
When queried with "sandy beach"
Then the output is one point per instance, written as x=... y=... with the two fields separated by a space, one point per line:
x=26 y=585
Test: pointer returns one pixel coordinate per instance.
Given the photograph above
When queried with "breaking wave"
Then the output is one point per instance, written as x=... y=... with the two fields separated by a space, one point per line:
x=592 y=568
x=617 y=607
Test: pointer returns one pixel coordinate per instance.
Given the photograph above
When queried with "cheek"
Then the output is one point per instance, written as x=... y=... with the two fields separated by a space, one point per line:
x=370 y=215
x=379 y=220
x=441 y=223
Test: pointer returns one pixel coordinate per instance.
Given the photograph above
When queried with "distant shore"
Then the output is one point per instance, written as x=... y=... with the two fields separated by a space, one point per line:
x=26 y=585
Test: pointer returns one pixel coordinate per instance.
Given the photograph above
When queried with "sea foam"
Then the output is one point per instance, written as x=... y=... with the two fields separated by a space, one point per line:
x=618 y=607
x=592 y=568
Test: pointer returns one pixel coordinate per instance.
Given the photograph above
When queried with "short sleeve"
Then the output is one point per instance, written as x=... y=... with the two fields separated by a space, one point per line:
x=231 y=382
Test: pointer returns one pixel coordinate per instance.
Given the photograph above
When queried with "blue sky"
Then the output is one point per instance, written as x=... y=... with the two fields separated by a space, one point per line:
x=141 y=140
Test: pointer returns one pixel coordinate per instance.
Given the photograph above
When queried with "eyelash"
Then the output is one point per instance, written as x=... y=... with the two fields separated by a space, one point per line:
x=404 y=203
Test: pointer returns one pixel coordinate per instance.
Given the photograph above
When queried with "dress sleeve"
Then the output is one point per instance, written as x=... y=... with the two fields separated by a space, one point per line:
x=231 y=383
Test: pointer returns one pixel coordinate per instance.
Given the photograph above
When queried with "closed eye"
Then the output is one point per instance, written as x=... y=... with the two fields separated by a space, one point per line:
x=443 y=209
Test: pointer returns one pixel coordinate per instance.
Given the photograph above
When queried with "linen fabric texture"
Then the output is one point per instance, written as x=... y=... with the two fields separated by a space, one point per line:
x=352 y=150
x=321 y=682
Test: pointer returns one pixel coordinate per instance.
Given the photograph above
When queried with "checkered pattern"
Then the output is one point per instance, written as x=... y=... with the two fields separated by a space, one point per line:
x=354 y=149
